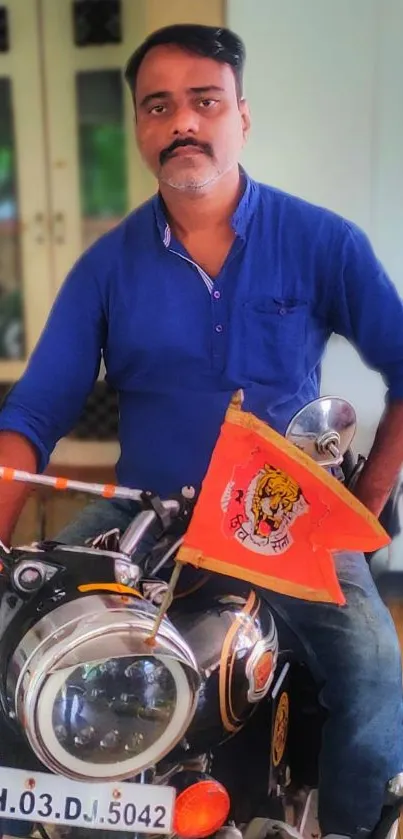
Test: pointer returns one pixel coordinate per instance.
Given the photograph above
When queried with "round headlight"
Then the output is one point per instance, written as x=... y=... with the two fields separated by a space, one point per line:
x=95 y=702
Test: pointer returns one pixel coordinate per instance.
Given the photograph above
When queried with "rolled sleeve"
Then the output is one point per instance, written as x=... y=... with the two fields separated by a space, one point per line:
x=47 y=401
x=365 y=308
x=17 y=421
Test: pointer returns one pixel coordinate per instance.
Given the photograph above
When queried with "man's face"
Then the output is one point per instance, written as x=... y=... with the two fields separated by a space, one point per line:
x=190 y=125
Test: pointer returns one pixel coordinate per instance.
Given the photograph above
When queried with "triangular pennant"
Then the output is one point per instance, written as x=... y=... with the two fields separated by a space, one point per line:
x=268 y=514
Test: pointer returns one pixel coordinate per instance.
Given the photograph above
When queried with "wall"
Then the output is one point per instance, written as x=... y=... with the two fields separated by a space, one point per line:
x=324 y=81
x=163 y=13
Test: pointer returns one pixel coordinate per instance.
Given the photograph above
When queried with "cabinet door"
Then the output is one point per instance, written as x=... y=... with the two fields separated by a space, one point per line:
x=24 y=232
x=94 y=171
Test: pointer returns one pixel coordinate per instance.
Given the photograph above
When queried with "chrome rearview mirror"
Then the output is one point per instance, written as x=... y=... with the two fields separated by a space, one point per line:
x=324 y=429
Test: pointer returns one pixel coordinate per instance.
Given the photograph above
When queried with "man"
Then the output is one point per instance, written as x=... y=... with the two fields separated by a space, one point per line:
x=220 y=283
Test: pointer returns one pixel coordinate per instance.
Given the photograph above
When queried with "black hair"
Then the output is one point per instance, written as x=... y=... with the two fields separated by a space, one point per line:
x=213 y=42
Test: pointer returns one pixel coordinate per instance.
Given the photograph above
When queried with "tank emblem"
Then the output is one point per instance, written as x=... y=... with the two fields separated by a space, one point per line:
x=280 y=729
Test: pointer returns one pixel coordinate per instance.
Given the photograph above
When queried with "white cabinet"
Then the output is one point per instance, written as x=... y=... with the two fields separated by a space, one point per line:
x=67 y=165
x=25 y=267
x=95 y=175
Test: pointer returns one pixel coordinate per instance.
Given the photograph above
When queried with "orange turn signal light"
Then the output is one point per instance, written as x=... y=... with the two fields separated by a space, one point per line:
x=201 y=809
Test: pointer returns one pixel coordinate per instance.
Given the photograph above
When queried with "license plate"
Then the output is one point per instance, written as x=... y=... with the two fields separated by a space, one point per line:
x=38 y=797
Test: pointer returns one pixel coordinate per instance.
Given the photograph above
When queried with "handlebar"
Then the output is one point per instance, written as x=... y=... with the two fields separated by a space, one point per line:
x=105 y=490
x=153 y=508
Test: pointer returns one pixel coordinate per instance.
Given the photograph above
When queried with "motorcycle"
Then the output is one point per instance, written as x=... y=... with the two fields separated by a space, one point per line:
x=118 y=716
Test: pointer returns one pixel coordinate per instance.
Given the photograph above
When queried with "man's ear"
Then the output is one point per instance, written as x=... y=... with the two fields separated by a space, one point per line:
x=245 y=117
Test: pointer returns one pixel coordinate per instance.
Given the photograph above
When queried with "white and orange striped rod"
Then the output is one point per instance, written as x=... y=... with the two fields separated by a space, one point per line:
x=106 y=490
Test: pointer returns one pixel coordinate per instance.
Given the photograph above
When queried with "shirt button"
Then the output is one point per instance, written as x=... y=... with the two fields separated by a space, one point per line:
x=218 y=327
x=283 y=311
x=216 y=295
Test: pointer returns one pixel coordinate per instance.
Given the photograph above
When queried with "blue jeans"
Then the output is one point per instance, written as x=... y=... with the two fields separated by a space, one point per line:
x=354 y=654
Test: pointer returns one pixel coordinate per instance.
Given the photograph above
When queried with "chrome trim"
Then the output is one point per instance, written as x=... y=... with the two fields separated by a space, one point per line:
x=136 y=531
x=70 y=635
x=280 y=680
x=170 y=552
x=141 y=524
x=81 y=549
x=324 y=429
x=267 y=644
x=395 y=786
x=46 y=572
x=126 y=572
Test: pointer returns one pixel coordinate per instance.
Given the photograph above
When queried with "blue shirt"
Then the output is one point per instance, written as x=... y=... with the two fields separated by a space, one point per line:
x=177 y=345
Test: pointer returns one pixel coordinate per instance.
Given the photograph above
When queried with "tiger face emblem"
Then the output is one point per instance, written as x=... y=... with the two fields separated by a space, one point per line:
x=260 y=507
x=274 y=497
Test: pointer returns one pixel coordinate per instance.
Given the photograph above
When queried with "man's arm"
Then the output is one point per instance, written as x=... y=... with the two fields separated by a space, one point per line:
x=367 y=309
x=381 y=470
x=18 y=452
x=47 y=401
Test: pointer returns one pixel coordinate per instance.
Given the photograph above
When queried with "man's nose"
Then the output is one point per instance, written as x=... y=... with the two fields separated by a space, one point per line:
x=185 y=121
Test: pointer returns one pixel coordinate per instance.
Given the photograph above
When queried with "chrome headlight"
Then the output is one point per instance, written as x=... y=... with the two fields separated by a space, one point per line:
x=94 y=700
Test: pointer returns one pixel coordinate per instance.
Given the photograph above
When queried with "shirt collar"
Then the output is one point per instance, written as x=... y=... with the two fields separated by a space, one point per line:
x=240 y=219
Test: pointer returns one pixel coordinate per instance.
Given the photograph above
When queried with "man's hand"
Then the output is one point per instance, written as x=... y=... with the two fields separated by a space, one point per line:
x=382 y=468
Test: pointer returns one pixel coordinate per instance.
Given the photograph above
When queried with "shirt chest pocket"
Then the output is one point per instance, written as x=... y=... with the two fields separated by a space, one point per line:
x=275 y=333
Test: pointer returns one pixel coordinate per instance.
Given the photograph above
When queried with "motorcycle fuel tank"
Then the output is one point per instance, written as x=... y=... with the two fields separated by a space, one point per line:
x=233 y=636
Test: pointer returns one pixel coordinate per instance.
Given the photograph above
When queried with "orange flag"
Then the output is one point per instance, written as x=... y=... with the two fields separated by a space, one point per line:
x=268 y=514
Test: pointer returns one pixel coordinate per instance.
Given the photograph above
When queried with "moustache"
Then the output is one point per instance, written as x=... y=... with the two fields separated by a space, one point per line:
x=177 y=144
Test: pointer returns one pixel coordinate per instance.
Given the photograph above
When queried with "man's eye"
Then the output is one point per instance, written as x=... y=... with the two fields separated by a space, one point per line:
x=207 y=103
x=158 y=109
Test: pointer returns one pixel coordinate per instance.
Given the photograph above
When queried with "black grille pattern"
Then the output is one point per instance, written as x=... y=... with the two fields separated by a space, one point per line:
x=97 y=22
x=99 y=419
